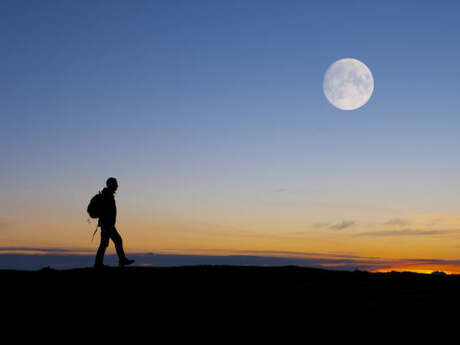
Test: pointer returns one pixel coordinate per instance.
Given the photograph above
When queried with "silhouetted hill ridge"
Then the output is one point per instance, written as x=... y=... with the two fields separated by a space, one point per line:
x=206 y=288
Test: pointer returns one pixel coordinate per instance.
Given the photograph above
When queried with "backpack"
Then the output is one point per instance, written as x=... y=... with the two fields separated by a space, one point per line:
x=95 y=206
x=94 y=209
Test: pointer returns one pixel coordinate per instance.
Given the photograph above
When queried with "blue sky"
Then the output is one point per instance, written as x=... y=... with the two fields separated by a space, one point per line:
x=218 y=103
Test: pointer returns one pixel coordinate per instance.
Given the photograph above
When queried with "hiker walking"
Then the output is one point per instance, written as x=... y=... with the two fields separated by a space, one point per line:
x=107 y=214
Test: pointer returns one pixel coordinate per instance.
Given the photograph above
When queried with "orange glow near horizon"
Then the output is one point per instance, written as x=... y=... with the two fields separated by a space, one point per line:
x=319 y=243
x=448 y=269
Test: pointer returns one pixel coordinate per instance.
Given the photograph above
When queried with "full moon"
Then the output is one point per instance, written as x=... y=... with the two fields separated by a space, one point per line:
x=348 y=84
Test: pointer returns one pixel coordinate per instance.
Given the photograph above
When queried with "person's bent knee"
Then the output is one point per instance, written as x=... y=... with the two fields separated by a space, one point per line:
x=116 y=237
x=104 y=244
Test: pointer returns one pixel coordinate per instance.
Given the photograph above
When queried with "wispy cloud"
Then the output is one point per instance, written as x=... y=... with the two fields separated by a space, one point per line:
x=343 y=225
x=403 y=232
x=284 y=253
x=397 y=222
x=50 y=250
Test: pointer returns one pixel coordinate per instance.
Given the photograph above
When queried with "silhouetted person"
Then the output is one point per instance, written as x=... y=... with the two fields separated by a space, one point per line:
x=107 y=220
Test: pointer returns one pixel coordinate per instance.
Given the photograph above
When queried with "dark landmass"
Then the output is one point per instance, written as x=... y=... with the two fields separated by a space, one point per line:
x=213 y=290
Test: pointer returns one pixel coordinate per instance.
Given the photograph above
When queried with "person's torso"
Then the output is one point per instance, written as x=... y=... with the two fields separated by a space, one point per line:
x=109 y=209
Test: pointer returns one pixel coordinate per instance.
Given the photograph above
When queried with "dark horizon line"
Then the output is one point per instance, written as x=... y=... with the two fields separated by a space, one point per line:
x=66 y=260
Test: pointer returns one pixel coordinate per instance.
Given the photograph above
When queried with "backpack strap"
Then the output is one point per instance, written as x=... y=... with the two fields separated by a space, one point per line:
x=94 y=233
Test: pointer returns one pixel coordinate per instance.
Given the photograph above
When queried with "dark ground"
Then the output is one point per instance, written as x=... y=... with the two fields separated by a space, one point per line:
x=213 y=289
x=225 y=304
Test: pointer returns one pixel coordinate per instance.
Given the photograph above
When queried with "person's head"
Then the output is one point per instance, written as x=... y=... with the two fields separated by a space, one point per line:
x=112 y=184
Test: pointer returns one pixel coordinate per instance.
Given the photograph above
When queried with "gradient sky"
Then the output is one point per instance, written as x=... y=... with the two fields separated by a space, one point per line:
x=211 y=115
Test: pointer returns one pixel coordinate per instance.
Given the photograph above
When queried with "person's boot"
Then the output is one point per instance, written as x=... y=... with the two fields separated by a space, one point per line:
x=99 y=266
x=125 y=262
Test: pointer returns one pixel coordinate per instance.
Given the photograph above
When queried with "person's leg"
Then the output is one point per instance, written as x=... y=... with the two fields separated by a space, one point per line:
x=116 y=238
x=102 y=247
